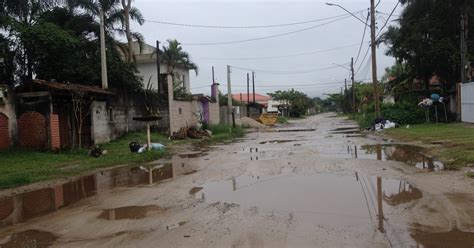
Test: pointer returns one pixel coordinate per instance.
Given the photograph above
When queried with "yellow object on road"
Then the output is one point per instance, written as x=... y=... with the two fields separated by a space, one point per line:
x=268 y=119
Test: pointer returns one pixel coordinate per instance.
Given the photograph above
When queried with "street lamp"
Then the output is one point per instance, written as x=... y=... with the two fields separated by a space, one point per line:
x=374 y=50
x=337 y=5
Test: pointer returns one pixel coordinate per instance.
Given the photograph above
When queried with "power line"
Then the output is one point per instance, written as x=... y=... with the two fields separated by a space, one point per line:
x=363 y=38
x=287 y=72
x=283 y=56
x=248 y=27
x=391 y=13
x=265 y=37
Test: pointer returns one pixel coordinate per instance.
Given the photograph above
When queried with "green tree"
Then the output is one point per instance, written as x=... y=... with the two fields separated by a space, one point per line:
x=299 y=102
x=427 y=39
x=173 y=55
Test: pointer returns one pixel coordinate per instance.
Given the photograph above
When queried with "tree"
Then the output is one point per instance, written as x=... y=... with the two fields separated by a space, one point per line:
x=133 y=13
x=427 y=39
x=173 y=55
x=299 y=102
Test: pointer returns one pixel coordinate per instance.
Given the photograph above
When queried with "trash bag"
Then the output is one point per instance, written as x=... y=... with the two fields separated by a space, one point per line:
x=134 y=146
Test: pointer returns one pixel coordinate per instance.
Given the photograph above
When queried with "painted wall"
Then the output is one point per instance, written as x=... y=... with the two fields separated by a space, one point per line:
x=147 y=70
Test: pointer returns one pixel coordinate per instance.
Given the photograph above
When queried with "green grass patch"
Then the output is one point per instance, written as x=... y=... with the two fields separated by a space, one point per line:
x=470 y=174
x=282 y=120
x=456 y=141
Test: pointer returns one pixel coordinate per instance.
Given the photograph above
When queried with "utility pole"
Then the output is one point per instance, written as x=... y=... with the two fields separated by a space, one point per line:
x=158 y=72
x=374 y=59
x=229 y=97
x=353 y=86
x=345 y=85
x=213 y=79
x=464 y=21
x=103 y=61
x=248 y=95
x=253 y=86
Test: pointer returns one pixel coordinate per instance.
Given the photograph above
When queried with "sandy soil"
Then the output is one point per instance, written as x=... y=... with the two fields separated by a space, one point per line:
x=273 y=189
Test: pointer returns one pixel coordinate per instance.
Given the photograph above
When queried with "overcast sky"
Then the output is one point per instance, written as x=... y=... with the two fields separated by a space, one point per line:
x=312 y=72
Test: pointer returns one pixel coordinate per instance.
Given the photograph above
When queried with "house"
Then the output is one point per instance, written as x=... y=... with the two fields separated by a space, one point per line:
x=145 y=58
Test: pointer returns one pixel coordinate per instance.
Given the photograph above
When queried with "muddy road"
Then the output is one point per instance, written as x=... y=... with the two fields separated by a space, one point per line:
x=316 y=183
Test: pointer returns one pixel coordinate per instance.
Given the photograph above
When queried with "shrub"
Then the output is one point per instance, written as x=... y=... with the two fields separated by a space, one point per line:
x=403 y=113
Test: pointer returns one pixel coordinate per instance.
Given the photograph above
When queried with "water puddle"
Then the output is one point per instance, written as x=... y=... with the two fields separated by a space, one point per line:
x=326 y=197
x=30 y=238
x=296 y=130
x=194 y=190
x=22 y=207
x=195 y=154
x=277 y=141
x=130 y=212
x=409 y=154
x=353 y=128
x=452 y=239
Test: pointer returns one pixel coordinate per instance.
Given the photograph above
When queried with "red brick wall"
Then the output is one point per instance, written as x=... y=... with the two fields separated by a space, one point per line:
x=37 y=202
x=4 y=132
x=58 y=196
x=6 y=207
x=54 y=128
x=32 y=130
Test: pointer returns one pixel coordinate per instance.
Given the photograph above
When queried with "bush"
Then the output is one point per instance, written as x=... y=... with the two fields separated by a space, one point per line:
x=403 y=113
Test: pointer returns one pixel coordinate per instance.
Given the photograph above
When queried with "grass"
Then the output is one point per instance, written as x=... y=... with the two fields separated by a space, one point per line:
x=470 y=174
x=457 y=141
x=282 y=120
x=19 y=167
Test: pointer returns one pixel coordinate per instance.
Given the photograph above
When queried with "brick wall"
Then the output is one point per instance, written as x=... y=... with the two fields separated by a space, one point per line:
x=4 y=132
x=6 y=207
x=37 y=202
x=32 y=130
x=55 y=137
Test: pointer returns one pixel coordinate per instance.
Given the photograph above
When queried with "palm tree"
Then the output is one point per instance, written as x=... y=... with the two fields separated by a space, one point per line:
x=116 y=21
x=173 y=55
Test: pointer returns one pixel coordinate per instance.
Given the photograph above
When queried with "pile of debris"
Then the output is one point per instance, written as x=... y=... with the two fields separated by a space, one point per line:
x=380 y=124
x=190 y=132
x=249 y=122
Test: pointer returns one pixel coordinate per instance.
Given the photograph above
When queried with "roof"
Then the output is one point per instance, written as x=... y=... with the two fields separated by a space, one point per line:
x=258 y=98
x=70 y=87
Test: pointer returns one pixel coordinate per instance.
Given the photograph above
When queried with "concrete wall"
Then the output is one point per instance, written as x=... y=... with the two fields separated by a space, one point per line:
x=7 y=108
x=114 y=117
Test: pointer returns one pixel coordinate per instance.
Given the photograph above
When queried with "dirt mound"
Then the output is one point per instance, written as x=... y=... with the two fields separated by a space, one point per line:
x=249 y=122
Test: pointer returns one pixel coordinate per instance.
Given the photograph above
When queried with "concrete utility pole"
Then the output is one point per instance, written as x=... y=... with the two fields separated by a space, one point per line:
x=229 y=97
x=253 y=86
x=345 y=85
x=248 y=95
x=464 y=22
x=158 y=85
x=374 y=59
x=353 y=86
x=103 y=60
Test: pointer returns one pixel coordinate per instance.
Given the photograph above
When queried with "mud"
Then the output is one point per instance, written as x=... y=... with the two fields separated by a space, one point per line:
x=30 y=238
x=322 y=190
x=276 y=141
x=130 y=212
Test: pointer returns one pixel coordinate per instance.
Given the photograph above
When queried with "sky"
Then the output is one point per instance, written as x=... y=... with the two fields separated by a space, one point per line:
x=314 y=60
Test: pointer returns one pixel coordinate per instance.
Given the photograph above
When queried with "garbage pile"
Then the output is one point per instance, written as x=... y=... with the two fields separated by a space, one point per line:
x=139 y=148
x=380 y=124
x=190 y=132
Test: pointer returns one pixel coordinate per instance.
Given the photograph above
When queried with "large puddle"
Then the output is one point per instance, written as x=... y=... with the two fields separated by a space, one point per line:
x=22 y=207
x=359 y=201
x=328 y=197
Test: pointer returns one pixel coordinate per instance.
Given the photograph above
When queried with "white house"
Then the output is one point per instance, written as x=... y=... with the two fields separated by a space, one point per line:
x=147 y=69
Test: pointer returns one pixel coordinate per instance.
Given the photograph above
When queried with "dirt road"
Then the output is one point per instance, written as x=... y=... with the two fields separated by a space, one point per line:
x=324 y=185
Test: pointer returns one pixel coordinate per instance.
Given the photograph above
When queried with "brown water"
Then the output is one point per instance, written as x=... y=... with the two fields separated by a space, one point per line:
x=30 y=239
x=325 y=197
x=22 y=207
x=409 y=154
x=435 y=239
x=277 y=141
x=130 y=212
